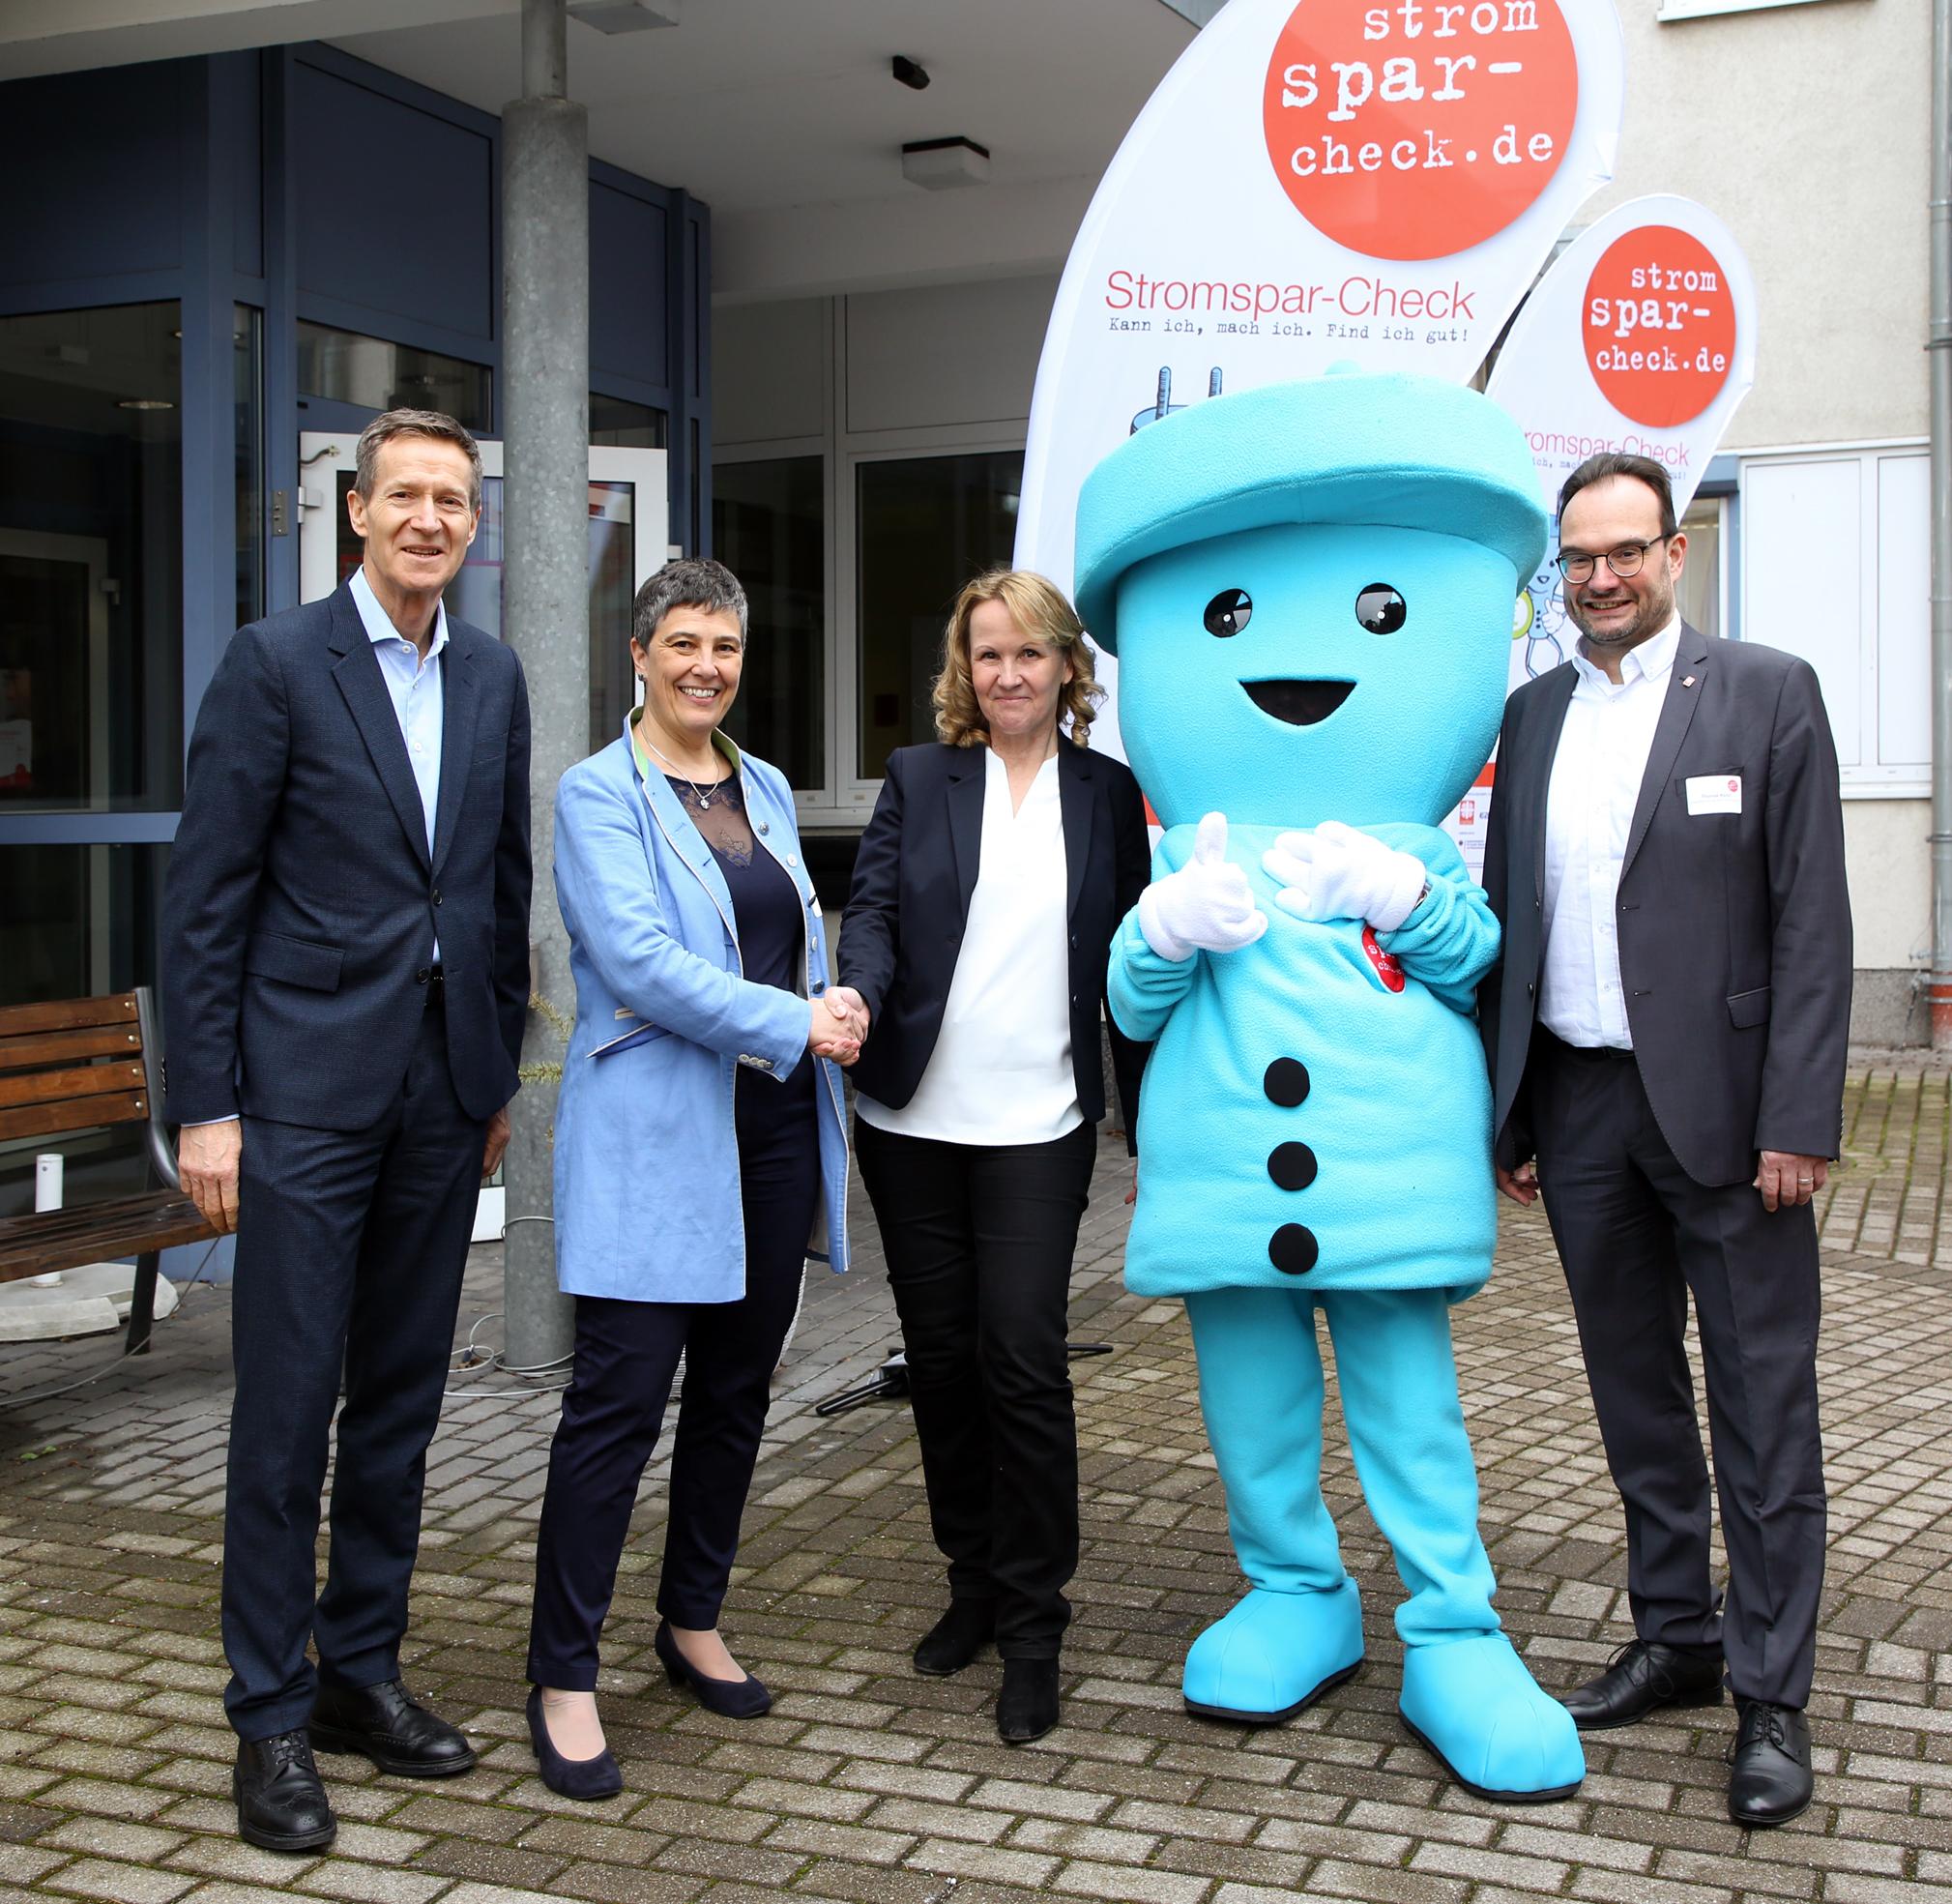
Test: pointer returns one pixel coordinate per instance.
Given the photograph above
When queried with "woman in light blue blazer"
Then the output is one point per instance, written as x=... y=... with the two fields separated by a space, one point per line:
x=701 y=1155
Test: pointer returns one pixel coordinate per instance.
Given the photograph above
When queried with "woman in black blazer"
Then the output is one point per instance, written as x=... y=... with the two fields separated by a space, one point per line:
x=988 y=885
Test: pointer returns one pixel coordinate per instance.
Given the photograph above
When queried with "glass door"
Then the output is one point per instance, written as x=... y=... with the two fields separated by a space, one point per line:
x=629 y=504
x=56 y=684
x=1703 y=587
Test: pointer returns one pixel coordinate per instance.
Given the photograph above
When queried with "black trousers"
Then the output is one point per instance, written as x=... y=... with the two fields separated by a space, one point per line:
x=1637 y=1235
x=627 y=1355
x=350 y=1247
x=980 y=1241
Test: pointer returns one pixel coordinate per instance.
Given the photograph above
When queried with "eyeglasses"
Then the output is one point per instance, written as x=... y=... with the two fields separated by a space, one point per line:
x=1576 y=566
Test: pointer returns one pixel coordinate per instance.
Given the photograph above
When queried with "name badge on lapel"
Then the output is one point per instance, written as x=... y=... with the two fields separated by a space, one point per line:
x=1715 y=793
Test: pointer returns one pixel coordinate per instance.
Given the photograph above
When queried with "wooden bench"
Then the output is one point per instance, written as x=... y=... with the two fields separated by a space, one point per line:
x=73 y=1066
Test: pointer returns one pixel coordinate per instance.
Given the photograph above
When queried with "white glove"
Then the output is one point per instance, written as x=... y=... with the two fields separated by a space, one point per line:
x=1206 y=906
x=1335 y=872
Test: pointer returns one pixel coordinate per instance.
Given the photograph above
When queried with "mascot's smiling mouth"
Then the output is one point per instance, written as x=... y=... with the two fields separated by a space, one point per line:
x=1299 y=703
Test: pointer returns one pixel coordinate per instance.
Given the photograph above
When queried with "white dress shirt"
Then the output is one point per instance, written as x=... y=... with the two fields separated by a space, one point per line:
x=1001 y=1072
x=1595 y=785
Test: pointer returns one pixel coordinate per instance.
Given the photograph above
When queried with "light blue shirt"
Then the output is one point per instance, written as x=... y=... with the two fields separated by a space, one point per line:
x=415 y=686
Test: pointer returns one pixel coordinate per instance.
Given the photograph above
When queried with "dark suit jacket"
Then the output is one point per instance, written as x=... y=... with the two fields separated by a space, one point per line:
x=302 y=903
x=1735 y=929
x=913 y=878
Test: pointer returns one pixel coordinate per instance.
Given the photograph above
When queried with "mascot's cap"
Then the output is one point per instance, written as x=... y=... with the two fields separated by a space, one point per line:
x=1392 y=451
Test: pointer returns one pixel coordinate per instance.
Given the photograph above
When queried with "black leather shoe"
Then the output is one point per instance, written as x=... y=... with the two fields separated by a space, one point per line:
x=569 y=1778
x=1772 y=1781
x=387 y=1724
x=956 y=1638
x=1026 y=1707
x=732 y=1699
x=1642 y=1676
x=281 y=1801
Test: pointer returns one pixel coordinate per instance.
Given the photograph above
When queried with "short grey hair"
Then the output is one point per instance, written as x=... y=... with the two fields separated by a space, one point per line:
x=395 y=423
x=686 y=582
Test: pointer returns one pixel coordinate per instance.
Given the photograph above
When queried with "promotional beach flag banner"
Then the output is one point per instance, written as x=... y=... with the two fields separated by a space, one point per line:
x=1640 y=337
x=1327 y=182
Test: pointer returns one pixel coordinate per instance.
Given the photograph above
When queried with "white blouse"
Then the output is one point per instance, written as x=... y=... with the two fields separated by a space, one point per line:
x=1001 y=1072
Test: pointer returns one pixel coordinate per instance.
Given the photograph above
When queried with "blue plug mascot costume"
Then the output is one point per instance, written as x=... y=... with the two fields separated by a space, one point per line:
x=1309 y=589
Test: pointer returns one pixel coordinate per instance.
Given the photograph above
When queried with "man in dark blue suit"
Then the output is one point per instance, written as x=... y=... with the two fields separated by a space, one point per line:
x=346 y=973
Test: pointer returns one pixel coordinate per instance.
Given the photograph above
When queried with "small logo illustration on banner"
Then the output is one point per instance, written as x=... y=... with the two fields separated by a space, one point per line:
x=1418 y=130
x=1660 y=326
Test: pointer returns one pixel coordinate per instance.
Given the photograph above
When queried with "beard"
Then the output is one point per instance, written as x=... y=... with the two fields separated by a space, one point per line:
x=1651 y=613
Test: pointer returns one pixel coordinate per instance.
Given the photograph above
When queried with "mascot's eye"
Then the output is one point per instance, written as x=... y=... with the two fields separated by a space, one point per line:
x=1378 y=608
x=1229 y=611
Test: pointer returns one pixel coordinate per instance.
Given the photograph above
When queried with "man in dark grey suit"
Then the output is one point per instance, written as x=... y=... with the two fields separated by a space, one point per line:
x=1667 y=1034
x=346 y=973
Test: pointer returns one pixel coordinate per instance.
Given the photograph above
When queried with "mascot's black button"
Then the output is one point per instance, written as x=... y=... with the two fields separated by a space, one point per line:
x=1286 y=1082
x=1292 y=1249
x=1292 y=1166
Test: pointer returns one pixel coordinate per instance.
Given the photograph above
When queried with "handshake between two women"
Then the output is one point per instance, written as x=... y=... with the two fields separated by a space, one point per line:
x=838 y=1028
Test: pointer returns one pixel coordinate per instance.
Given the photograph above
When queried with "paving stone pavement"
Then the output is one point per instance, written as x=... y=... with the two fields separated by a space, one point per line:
x=865 y=1783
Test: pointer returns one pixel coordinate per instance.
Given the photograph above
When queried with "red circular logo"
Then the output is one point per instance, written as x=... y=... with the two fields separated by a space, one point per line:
x=1416 y=130
x=1660 y=326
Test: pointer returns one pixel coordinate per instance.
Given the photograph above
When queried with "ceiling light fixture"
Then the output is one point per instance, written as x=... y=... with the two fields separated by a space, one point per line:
x=911 y=72
x=626 y=15
x=145 y=403
x=943 y=164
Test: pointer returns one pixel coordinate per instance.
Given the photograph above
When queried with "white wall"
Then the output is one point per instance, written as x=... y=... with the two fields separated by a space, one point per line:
x=1806 y=129
x=769 y=371
x=1889 y=857
x=1890 y=863
x=927 y=360
x=945 y=356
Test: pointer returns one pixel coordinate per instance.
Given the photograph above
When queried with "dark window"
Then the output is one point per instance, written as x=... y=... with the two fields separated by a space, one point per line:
x=344 y=368
x=925 y=526
x=91 y=561
x=769 y=527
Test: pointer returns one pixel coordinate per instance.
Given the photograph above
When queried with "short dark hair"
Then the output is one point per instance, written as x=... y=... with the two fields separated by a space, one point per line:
x=686 y=582
x=1617 y=462
x=394 y=423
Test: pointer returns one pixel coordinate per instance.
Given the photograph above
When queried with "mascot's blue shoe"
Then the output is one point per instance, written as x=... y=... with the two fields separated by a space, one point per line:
x=1274 y=1655
x=1471 y=1703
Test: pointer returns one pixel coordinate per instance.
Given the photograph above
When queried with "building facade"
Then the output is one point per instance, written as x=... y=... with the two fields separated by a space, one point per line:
x=213 y=271
x=215 y=267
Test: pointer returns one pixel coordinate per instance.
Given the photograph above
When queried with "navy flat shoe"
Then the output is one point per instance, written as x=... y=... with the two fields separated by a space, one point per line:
x=569 y=1778
x=732 y=1699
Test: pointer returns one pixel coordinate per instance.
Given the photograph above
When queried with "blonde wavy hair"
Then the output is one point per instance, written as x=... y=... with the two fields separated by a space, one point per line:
x=1040 y=611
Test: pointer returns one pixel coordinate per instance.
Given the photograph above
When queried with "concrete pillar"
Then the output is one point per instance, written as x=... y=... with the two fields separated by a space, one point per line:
x=1938 y=342
x=545 y=600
